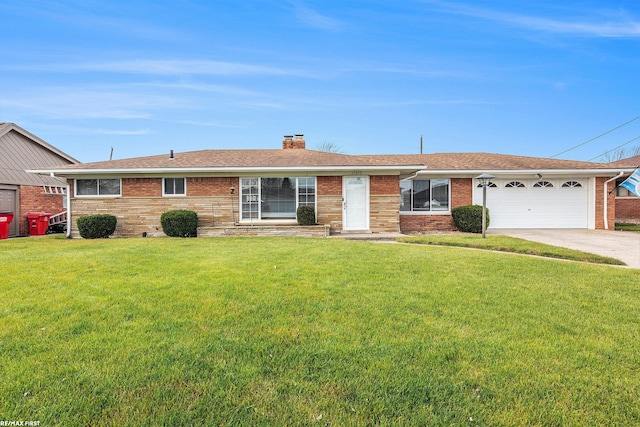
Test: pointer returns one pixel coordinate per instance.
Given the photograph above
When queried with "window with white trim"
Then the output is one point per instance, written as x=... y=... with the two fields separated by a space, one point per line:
x=621 y=191
x=489 y=185
x=424 y=195
x=275 y=198
x=514 y=184
x=543 y=184
x=571 y=184
x=98 y=187
x=174 y=187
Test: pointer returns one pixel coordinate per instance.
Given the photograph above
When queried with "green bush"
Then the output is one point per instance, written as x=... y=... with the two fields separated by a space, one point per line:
x=306 y=215
x=96 y=226
x=179 y=223
x=469 y=218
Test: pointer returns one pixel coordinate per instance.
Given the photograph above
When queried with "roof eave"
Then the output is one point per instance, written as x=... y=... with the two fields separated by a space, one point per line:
x=532 y=171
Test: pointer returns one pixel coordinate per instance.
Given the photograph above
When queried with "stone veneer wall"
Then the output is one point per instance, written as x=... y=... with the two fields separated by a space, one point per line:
x=384 y=206
x=329 y=203
x=141 y=205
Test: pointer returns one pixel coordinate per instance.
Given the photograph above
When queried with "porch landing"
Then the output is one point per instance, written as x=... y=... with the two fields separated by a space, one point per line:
x=266 y=230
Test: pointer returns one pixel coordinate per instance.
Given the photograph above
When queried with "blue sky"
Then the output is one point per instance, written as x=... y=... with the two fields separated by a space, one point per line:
x=529 y=77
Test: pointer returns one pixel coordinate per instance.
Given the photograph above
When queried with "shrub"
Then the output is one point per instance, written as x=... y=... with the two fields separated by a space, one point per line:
x=179 y=223
x=306 y=215
x=96 y=226
x=469 y=218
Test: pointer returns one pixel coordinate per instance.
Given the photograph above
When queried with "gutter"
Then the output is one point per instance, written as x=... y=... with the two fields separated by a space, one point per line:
x=507 y=173
x=253 y=169
x=606 y=199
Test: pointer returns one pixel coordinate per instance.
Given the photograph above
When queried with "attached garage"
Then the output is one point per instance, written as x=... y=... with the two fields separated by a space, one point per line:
x=9 y=203
x=544 y=203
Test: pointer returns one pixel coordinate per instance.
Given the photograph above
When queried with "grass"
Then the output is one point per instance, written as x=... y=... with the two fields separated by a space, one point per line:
x=628 y=227
x=509 y=244
x=311 y=332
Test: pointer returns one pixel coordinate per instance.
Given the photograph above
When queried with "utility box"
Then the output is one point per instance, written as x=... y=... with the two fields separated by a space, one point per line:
x=38 y=223
x=5 y=221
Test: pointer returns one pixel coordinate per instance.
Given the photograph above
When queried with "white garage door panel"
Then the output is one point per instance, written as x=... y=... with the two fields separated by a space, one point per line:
x=529 y=207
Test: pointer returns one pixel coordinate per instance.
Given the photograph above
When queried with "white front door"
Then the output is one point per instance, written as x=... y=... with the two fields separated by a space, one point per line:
x=355 y=203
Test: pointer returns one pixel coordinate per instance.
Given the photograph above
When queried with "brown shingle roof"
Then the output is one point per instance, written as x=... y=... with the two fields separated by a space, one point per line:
x=491 y=161
x=250 y=159
x=629 y=162
x=301 y=158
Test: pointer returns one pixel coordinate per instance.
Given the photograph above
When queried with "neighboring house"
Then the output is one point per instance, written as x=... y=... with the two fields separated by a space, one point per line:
x=627 y=205
x=22 y=192
x=258 y=191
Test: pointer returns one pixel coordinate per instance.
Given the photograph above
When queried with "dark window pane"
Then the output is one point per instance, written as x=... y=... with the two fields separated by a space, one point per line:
x=405 y=196
x=421 y=195
x=109 y=187
x=278 y=197
x=440 y=194
x=87 y=187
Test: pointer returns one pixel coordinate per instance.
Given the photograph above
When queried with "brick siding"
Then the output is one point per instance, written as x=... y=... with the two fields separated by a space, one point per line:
x=141 y=205
x=461 y=195
x=611 y=203
x=34 y=199
x=628 y=210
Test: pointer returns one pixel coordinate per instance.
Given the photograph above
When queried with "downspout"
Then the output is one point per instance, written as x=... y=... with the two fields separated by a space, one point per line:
x=68 y=211
x=606 y=199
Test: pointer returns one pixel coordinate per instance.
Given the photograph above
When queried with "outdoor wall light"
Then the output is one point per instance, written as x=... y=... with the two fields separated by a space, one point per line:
x=485 y=180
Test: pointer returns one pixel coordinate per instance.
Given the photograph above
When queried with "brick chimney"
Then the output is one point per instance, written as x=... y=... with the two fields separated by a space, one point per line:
x=290 y=143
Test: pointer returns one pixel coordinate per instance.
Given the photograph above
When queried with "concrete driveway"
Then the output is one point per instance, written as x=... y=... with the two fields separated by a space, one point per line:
x=622 y=245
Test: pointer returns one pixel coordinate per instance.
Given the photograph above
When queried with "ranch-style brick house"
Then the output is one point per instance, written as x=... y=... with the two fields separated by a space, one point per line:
x=257 y=192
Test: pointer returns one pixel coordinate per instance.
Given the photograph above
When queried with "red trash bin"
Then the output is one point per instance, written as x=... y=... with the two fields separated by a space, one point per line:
x=38 y=223
x=5 y=221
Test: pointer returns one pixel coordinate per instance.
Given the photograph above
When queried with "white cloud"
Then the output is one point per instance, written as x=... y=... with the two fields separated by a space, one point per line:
x=314 y=19
x=617 y=24
x=187 y=67
x=87 y=103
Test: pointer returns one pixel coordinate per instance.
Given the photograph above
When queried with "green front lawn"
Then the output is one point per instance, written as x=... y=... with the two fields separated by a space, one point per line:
x=508 y=244
x=278 y=331
x=628 y=227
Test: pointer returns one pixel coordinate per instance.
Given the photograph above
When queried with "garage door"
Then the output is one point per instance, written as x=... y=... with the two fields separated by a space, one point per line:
x=513 y=203
x=8 y=202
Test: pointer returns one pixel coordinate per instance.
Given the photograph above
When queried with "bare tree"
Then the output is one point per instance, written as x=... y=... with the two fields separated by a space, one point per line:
x=329 y=147
x=620 y=153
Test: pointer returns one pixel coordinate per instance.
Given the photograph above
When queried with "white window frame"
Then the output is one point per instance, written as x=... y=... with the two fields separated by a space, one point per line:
x=259 y=201
x=164 y=190
x=75 y=188
x=430 y=211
